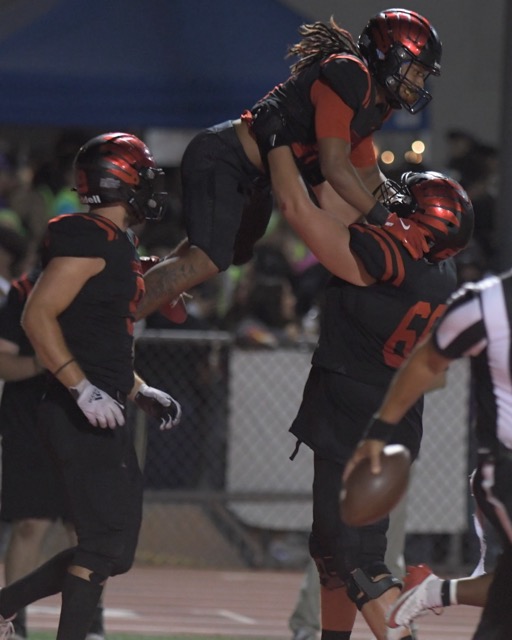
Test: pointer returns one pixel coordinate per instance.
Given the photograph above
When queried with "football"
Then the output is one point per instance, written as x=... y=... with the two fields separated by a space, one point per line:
x=367 y=497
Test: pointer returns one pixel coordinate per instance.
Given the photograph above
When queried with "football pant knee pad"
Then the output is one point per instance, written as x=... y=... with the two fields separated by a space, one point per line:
x=362 y=586
x=331 y=569
x=327 y=571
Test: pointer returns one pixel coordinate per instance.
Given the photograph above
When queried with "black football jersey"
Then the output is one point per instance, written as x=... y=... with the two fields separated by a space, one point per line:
x=350 y=79
x=98 y=325
x=366 y=332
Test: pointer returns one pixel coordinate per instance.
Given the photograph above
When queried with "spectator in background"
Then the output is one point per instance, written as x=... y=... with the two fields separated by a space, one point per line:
x=13 y=249
x=460 y=145
x=265 y=314
x=32 y=495
x=474 y=165
x=44 y=188
x=56 y=177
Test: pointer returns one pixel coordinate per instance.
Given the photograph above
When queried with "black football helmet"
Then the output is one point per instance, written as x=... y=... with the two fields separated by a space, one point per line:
x=118 y=167
x=437 y=203
x=391 y=42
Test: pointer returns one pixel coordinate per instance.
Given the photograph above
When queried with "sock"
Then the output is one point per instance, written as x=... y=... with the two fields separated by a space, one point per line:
x=20 y=623
x=79 y=601
x=97 y=621
x=336 y=635
x=448 y=593
x=45 y=581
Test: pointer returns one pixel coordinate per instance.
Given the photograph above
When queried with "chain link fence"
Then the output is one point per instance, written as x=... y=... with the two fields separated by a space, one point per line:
x=220 y=488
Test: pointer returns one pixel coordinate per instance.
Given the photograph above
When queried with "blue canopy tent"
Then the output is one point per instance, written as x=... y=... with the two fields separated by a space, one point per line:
x=140 y=63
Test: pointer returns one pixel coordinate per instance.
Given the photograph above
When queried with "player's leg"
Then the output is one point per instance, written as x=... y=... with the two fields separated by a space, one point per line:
x=97 y=628
x=424 y=591
x=394 y=557
x=304 y=620
x=22 y=555
x=338 y=612
x=350 y=562
x=32 y=498
x=496 y=620
x=218 y=182
x=493 y=492
x=104 y=484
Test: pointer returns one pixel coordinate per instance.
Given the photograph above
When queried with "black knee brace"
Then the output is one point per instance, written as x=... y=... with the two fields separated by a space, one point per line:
x=361 y=586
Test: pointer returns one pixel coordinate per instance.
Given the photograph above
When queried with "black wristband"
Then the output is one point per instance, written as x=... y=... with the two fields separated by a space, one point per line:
x=378 y=214
x=378 y=429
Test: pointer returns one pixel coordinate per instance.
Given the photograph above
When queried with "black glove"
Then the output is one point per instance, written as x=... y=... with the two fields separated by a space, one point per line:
x=158 y=404
x=269 y=128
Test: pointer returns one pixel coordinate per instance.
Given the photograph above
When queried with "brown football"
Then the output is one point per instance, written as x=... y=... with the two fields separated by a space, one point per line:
x=368 y=497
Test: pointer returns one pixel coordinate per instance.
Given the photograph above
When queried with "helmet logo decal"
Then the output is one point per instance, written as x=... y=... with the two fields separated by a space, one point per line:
x=110 y=183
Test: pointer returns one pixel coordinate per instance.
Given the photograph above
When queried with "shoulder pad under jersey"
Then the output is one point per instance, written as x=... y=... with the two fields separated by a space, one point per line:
x=79 y=235
x=382 y=255
x=349 y=77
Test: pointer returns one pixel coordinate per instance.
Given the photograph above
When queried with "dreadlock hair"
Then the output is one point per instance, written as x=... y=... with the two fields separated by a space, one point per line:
x=320 y=40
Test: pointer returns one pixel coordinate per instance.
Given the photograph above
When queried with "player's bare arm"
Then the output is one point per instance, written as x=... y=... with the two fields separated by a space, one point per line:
x=413 y=379
x=13 y=366
x=371 y=176
x=331 y=201
x=340 y=173
x=171 y=277
x=325 y=235
x=54 y=291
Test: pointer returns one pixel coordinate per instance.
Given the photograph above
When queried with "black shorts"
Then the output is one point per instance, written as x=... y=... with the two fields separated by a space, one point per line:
x=31 y=486
x=335 y=410
x=101 y=477
x=227 y=202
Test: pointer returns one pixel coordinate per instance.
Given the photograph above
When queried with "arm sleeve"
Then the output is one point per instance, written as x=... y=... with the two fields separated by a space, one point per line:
x=382 y=254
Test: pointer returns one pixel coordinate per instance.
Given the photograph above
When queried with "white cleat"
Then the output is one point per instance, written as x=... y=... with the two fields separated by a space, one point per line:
x=413 y=600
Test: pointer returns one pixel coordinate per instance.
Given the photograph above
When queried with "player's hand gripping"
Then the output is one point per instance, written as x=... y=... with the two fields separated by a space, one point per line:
x=158 y=404
x=98 y=407
x=412 y=236
x=365 y=449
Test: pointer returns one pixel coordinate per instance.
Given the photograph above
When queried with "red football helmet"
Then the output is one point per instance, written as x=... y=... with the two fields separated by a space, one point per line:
x=118 y=167
x=437 y=203
x=391 y=42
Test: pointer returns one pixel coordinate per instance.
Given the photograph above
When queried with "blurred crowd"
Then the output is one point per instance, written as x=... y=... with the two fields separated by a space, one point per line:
x=272 y=301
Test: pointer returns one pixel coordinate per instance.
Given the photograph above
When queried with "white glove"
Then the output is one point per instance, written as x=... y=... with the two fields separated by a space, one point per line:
x=158 y=404
x=99 y=408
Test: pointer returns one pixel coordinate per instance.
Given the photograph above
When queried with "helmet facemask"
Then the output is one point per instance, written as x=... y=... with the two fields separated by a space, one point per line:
x=393 y=76
x=392 y=42
x=395 y=197
x=149 y=198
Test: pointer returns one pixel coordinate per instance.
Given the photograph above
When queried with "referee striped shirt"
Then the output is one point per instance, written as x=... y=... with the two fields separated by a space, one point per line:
x=477 y=324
